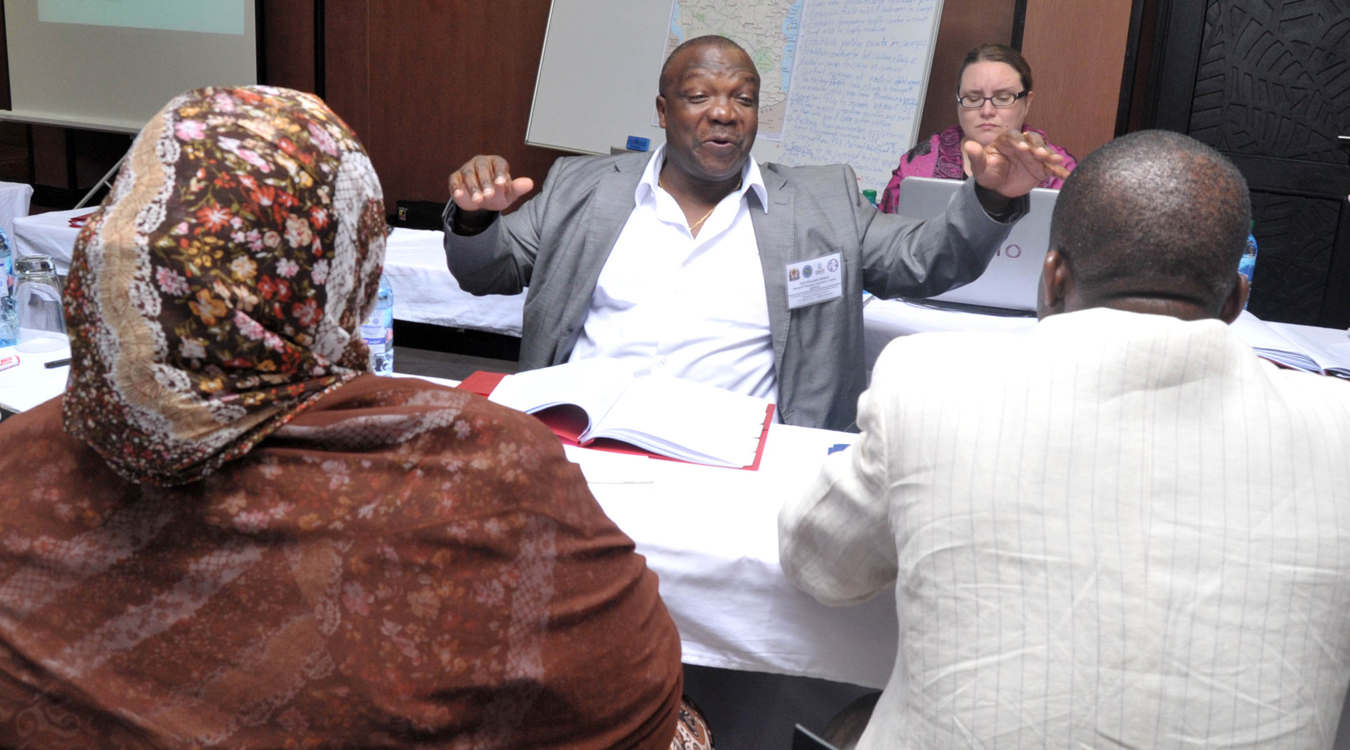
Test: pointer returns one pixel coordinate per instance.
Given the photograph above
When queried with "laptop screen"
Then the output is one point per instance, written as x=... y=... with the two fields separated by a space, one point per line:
x=1012 y=276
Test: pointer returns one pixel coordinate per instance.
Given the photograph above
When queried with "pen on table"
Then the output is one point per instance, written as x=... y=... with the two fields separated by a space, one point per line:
x=57 y=363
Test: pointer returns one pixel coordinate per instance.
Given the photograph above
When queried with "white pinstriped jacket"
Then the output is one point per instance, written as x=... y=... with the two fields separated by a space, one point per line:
x=1116 y=531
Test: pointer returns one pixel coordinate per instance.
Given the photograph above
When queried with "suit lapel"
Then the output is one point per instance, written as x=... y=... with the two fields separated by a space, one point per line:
x=608 y=212
x=611 y=207
x=775 y=233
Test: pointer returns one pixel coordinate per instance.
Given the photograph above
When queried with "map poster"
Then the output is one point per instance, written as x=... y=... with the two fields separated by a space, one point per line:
x=767 y=29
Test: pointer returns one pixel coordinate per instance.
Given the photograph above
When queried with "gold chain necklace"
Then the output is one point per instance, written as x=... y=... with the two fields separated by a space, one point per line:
x=694 y=227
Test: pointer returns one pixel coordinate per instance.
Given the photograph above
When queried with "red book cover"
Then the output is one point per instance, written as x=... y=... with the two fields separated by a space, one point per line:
x=569 y=422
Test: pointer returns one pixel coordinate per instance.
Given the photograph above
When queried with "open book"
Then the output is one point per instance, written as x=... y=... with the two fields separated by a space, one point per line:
x=593 y=401
x=1286 y=346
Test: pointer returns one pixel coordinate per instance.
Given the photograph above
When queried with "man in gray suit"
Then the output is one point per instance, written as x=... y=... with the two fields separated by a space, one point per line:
x=659 y=259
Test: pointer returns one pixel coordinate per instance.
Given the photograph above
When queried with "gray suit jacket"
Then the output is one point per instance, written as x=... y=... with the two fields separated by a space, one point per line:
x=557 y=243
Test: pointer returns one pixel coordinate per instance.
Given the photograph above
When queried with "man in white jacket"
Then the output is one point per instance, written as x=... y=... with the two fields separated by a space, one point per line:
x=1121 y=530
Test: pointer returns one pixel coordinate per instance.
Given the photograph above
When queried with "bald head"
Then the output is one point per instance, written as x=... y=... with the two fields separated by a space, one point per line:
x=1154 y=217
x=682 y=56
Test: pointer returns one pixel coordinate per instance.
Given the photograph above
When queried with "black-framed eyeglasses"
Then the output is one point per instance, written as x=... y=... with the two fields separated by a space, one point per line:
x=975 y=101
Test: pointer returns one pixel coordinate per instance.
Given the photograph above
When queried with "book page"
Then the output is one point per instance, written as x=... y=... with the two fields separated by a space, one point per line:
x=686 y=420
x=1270 y=344
x=1332 y=356
x=591 y=384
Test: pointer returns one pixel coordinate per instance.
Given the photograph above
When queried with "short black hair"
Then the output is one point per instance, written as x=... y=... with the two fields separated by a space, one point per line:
x=1152 y=206
x=711 y=40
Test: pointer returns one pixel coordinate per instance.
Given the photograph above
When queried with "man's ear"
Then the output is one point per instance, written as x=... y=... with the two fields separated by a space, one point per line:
x=1236 y=300
x=1056 y=280
x=661 y=109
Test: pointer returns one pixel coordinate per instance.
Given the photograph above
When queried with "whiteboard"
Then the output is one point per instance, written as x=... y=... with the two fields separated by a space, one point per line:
x=853 y=82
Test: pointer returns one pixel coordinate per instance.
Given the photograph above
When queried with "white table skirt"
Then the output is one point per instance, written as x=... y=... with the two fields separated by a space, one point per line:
x=30 y=383
x=49 y=234
x=14 y=201
x=425 y=292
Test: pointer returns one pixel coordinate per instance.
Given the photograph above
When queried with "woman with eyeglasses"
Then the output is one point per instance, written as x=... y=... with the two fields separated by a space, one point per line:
x=993 y=94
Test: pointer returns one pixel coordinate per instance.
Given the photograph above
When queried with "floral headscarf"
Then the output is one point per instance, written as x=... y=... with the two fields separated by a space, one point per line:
x=219 y=289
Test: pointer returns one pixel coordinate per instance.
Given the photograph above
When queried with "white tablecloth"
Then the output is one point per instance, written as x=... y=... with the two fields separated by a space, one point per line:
x=425 y=292
x=14 y=200
x=29 y=384
x=884 y=320
x=49 y=234
x=712 y=536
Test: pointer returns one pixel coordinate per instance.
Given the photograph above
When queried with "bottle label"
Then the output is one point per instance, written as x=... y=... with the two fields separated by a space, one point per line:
x=5 y=271
x=374 y=336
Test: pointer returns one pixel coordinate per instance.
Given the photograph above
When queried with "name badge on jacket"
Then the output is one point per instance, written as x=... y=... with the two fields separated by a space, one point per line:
x=813 y=281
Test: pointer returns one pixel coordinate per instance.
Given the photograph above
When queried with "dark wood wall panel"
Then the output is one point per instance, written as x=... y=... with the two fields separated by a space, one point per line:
x=1077 y=53
x=347 y=64
x=429 y=84
x=289 y=41
x=965 y=24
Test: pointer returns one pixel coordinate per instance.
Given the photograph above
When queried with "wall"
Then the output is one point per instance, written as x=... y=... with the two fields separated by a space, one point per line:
x=428 y=83
x=288 y=39
x=1077 y=53
x=965 y=24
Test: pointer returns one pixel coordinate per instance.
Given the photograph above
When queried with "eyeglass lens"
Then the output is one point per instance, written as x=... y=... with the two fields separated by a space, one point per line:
x=974 y=101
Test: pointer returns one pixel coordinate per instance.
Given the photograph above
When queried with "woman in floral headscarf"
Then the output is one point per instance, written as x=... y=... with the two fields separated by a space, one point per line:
x=241 y=538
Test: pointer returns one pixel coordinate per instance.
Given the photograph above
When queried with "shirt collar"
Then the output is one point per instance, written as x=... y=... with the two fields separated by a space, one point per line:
x=750 y=179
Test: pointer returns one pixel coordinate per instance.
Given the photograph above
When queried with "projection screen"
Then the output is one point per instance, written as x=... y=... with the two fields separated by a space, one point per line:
x=112 y=64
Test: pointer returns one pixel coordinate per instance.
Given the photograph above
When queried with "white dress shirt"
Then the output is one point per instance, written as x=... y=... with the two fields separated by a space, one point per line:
x=686 y=306
x=1116 y=531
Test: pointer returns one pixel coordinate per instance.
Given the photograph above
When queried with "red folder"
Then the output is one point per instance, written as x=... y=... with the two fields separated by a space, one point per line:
x=569 y=422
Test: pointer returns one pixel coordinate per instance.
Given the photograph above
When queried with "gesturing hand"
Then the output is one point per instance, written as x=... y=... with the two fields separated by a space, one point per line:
x=484 y=184
x=1014 y=163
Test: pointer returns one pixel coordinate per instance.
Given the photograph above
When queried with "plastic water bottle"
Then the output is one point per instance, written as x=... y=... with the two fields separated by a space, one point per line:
x=9 y=314
x=378 y=331
x=1247 y=265
x=871 y=196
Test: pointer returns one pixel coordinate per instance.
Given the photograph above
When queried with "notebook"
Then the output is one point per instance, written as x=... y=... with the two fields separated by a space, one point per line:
x=1288 y=347
x=1011 y=279
x=599 y=403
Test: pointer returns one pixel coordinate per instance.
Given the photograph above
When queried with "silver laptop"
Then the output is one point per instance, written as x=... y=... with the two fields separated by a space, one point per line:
x=1010 y=280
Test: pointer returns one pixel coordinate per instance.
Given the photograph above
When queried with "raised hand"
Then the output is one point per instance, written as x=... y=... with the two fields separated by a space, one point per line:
x=484 y=183
x=1014 y=163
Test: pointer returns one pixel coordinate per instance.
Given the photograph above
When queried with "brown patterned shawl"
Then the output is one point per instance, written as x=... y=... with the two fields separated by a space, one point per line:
x=342 y=560
x=401 y=566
